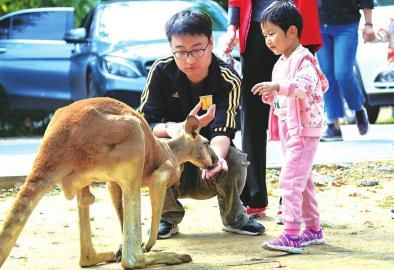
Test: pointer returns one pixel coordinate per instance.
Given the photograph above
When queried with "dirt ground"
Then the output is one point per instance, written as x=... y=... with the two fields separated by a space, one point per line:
x=356 y=220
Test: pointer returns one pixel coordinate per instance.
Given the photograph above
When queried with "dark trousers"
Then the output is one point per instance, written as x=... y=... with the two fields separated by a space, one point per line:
x=257 y=63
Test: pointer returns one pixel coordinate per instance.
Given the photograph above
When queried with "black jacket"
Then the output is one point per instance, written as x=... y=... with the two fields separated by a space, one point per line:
x=168 y=96
x=342 y=11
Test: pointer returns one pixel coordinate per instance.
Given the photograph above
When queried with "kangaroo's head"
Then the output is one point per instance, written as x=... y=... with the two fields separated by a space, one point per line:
x=190 y=146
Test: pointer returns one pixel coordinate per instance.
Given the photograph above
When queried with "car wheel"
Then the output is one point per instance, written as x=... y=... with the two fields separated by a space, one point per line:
x=373 y=112
x=92 y=90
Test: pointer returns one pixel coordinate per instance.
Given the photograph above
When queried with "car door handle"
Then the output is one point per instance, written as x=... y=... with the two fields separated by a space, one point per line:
x=3 y=50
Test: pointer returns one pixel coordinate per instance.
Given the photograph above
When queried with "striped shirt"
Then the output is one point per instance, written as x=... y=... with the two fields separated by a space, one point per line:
x=168 y=97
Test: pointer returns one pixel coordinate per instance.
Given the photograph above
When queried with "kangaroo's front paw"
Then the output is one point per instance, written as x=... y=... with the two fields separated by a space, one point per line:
x=146 y=248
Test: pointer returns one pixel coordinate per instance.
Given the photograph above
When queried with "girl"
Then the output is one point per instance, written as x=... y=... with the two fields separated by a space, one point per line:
x=296 y=118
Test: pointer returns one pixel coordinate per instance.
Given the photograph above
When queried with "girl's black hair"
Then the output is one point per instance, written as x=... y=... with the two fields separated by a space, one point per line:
x=284 y=14
x=189 y=22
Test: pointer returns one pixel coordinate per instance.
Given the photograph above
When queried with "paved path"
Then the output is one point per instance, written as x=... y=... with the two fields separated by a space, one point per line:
x=17 y=155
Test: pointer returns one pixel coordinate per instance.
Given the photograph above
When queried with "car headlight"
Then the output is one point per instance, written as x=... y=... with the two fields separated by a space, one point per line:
x=385 y=76
x=119 y=67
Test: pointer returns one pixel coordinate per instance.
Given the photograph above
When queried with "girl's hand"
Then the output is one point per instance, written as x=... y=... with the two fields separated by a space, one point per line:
x=265 y=88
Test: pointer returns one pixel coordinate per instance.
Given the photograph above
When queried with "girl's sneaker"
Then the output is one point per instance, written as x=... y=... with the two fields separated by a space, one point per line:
x=312 y=237
x=285 y=242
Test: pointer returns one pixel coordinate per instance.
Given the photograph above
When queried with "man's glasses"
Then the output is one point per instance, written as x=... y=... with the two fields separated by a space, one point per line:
x=183 y=55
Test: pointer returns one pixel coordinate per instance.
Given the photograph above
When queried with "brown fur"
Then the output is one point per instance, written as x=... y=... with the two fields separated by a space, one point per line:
x=104 y=140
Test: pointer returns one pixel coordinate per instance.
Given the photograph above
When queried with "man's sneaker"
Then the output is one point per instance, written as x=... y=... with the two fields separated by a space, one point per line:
x=167 y=229
x=285 y=242
x=362 y=121
x=312 y=237
x=255 y=212
x=332 y=134
x=250 y=228
x=279 y=218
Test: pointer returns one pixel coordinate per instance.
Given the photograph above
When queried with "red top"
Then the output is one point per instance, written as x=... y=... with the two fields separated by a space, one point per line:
x=308 y=9
x=311 y=32
x=245 y=7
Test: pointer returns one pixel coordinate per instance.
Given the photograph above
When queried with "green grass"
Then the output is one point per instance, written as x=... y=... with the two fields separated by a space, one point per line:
x=386 y=115
x=386 y=121
x=387 y=202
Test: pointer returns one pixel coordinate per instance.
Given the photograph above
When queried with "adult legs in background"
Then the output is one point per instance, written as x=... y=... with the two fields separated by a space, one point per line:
x=257 y=63
x=336 y=58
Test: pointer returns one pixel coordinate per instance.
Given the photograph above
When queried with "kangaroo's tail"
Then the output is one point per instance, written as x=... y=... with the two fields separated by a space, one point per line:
x=34 y=188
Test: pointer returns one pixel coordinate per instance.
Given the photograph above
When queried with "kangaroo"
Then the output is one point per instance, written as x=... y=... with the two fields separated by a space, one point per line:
x=104 y=140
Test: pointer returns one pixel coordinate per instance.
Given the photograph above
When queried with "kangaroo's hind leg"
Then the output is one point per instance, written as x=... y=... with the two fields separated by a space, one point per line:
x=132 y=255
x=88 y=254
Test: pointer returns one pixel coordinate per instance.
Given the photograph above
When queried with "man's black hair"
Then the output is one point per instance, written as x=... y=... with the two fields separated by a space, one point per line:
x=284 y=14
x=189 y=22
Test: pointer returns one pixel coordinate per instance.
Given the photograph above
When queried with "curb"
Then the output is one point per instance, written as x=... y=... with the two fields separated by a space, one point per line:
x=11 y=181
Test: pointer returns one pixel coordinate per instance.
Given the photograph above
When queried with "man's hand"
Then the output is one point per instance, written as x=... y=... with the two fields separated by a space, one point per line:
x=368 y=33
x=207 y=117
x=221 y=165
x=265 y=88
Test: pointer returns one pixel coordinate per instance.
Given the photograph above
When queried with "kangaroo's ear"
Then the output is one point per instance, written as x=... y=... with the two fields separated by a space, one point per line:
x=192 y=126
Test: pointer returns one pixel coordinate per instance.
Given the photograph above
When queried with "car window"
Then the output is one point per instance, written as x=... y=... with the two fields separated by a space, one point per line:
x=48 y=25
x=145 y=20
x=378 y=3
x=4 y=28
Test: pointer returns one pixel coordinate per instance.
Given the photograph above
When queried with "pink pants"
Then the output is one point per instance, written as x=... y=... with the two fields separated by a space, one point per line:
x=295 y=180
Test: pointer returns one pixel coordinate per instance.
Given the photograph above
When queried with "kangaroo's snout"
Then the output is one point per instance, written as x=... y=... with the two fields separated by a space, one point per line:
x=214 y=159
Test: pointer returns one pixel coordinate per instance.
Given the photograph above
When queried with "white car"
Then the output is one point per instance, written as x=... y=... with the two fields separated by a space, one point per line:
x=375 y=73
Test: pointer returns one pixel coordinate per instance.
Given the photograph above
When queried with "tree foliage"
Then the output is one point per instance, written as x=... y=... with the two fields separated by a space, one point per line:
x=223 y=3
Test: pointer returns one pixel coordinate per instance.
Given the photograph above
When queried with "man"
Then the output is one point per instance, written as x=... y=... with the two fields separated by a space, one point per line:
x=174 y=86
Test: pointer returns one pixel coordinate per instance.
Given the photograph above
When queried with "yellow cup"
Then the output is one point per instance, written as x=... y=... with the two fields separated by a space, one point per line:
x=206 y=102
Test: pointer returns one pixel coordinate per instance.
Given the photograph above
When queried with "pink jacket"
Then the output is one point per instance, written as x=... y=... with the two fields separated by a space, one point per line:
x=302 y=81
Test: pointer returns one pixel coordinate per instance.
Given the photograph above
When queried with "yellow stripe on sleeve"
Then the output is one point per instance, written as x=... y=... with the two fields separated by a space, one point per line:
x=234 y=95
x=145 y=92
